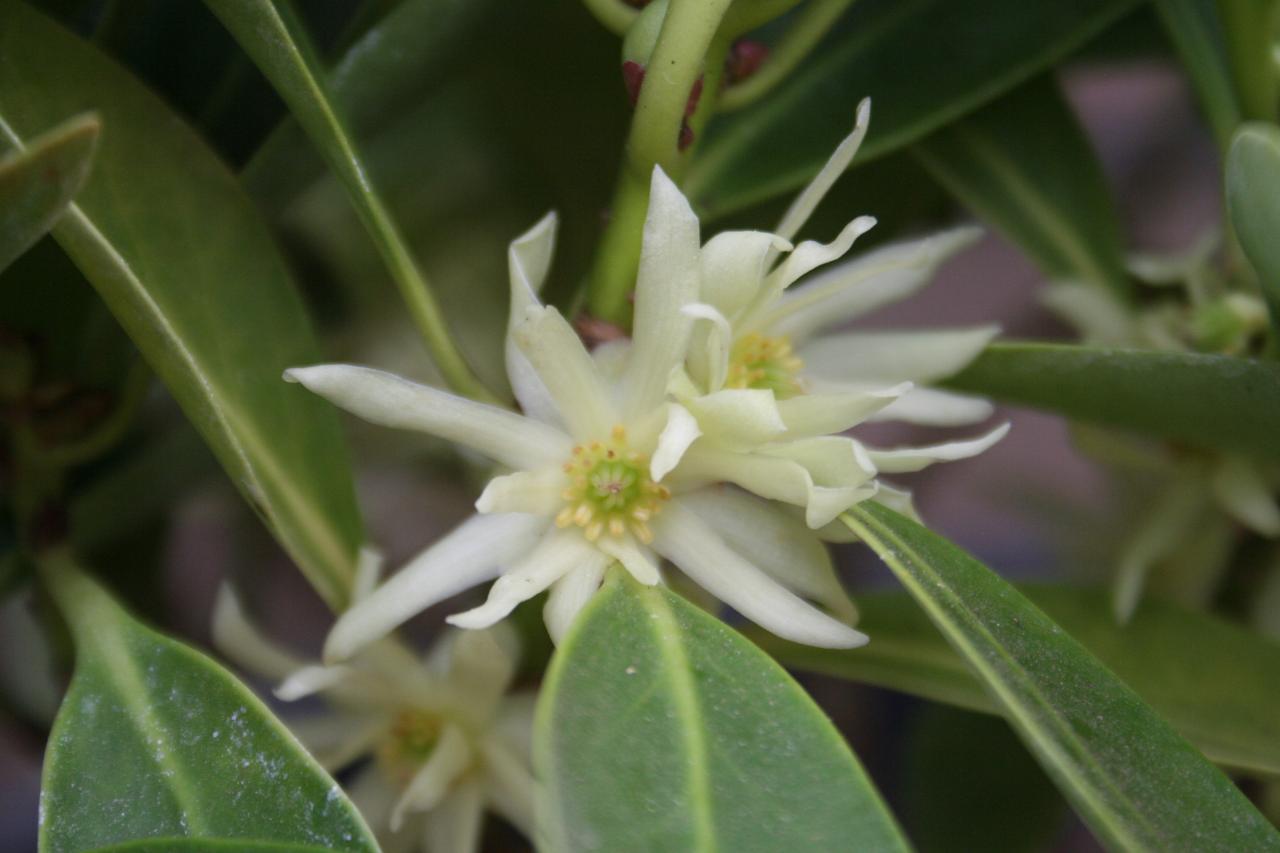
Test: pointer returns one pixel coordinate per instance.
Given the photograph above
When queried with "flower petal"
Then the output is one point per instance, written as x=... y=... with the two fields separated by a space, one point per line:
x=709 y=346
x=454 y=825
x=241 y=641
x=737 y=417
x=474 y=552
x=889 y=357
x=386 y=399
x=827 y=414
x=928 y=407
x=688 y=542
x=568 y=373
x=634 y=557
x=907 y=459
x=560 y=551
x=733 y=267
x=810 y=255
x=509 y=785
x=805 y=203
x=311 y=679
x=448 y=761
x=680 y=432
x=1096 y=315
x=1246 y=496
x=481 y=666
x=568 y=596
x=666 y=282
x=537 y=492
x=528 y=259
x=336 y=740
x=368 y=569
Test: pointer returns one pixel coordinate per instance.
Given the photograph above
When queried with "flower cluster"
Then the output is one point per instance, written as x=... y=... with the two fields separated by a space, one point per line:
x=709 y=438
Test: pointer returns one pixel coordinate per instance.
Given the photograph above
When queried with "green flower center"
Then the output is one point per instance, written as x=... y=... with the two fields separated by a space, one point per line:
x=408 y=744
x=610 y=490
x=765 y=363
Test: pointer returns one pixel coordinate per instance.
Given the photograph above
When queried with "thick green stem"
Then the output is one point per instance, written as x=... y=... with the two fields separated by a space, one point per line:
x=614 y=15
x=810 y=26
x=1249 y=27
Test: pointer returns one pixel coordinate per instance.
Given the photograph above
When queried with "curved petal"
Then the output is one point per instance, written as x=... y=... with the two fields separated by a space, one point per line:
x=386 y=399
x=928 y=407
x=472 y=553
x=688 y=542
x=310 y=679
x=481 y=665
x=826 y=414
x=809 y=255
x=635 y=558
x=528 y=259
x=368 y=570
x=241 y=642
x=568 y=596
x=709 y=346
x=567 y=372
x=907 y=459
x=799 y=211
x=733 y=266
x=454 y=825
x=537 y=492
x=737 y=417
x=888 y=357
x=448 y=761
x=680 y=432
x=1246 y=496
x=336 y=740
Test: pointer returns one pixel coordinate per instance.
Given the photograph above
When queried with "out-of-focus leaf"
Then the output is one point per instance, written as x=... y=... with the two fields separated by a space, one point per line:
x=206 y=845
x=1132 y=778
x=179 y=254
x=1253 y=199
x=1212 y=401
x=1023 y=164
x=38 y=182
x=923 y=63
x=155 y=740
x=660 y=728
x=1196 y=32
x=1217 y=684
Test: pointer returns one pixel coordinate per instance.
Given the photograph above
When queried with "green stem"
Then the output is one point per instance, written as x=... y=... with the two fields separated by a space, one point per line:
x=809 y=28
x=1249 y=27
x=746 y=15
x=616 y=16
x=81 y=601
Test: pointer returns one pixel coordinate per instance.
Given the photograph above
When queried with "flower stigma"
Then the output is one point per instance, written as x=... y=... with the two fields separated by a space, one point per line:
x=610 y=490
x=408 y=744
x=765 y=363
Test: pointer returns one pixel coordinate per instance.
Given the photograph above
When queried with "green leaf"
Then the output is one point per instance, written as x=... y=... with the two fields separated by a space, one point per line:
x=660 y=728
x=155 y=740
x=37 y=184
x=206 y=845
x=1220 y=688
x=1196 y=31
x=1132 y=778
x=1211 y=401
x=180 y=256
x=923 y=63
x=1253 y=199
x=275 y=40
x=1023 y=164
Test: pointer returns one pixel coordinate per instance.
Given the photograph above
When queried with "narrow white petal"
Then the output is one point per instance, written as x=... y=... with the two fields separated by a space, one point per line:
x=737 y=417
x=680 y=432
x=241 y=642
x=509 y=785
x=455 y=825
x=448 y=760
x=537 y=492
x=695 y=548
x=568 y=373
x=560 y=551
x=529 y=258
x=634 y=557
x=888 y=357
x=929 y=407
x=898 y=500
x=810 y=255
x=709 y=346
x=1095 y=314
x=310 y=679
x=907 y=459
x=827 y=414
x=666 y=282
x=373 y=795
x=859 y=286
x=568 y=596
x=368 y=570
x=474 y=552
x=1245 y=495
x=733 y=267
x=386 y=399
x=805 y=203
x=776 y=541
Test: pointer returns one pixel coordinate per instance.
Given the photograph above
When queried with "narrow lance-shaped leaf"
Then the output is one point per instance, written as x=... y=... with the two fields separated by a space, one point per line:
x=38 y=182
x=1253 y=199
x=1220 y=691
x=1023 y=164
x=660 y=728
x=155 y=740
x=923 y=63
x=184 y=262
x=1132 y=778
x=1210 y=401
x=1196 y=32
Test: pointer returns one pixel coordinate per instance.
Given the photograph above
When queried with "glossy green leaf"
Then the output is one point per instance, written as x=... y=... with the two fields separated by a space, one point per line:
x=1211 y=401
x=186 y=265
x=1196 y=32
x=660 y=728
x=1023 y=164
x=37 y=183
x=923 y=63
x=1253 y=199
x=1132 y=778
x=1220 y=689
x=156 y=740
x=206 y=845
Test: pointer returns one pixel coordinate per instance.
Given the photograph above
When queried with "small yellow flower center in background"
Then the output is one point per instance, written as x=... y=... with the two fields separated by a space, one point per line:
x=610 y=490
x=757 y=361
x=408 y=744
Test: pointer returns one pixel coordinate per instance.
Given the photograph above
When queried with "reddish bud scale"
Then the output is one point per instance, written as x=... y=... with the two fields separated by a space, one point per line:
x=745 y=58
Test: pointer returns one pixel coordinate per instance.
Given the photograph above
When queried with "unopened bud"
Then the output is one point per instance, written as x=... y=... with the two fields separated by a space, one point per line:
x=745 y=58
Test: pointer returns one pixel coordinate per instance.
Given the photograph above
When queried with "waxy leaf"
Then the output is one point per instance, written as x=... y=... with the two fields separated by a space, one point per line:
x=206 y=845
x=660 y=728
x=155 y=740
x=1023 y=164
x=37 y=184
x=169 y=240
x=1132 y=778
x=923 y=63
x=1211 y=401
x=1219 y=690
x=1253 y=198
x=1196 y=32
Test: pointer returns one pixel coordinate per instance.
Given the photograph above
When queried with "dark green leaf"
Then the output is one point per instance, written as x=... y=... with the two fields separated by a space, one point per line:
x=660 y=728
x=1196 y=31
x=1211 y=401
x=1133 y=779
x=1023 y=164
x=37 y=184
x=156 y=740
x=923 y=63
x=1219 y=689
x=1253 y=199
x=177 y=251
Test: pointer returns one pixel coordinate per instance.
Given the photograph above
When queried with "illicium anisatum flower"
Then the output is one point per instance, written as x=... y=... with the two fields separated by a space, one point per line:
x=446 y=740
